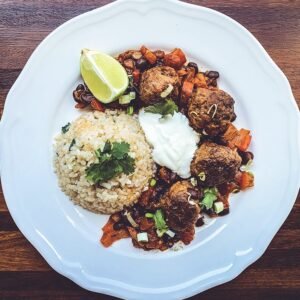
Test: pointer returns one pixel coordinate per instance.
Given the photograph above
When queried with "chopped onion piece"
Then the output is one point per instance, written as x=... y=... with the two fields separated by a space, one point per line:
x=170 y=233
x=194 y=181
x=167 y=91
x=202 y=176
x=218 y=207
x=130 y=219
x=126 y=99
x=152 y=182
x=142 y=237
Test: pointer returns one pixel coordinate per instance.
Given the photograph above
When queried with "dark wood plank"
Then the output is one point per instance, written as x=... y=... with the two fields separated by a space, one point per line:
x=24 y=273
x=17 y=254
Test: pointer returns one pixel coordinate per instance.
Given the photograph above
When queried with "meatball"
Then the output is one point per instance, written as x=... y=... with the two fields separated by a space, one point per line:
x=215 y=164
x=155 y=81
x=211 y=110
x=181 y=213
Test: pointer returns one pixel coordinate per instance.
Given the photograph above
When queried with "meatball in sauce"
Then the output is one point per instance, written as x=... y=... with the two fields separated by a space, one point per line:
x=211 y=110
x=155 y=81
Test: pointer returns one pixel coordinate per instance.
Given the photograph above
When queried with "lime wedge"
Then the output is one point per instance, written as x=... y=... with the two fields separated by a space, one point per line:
x=105 y=76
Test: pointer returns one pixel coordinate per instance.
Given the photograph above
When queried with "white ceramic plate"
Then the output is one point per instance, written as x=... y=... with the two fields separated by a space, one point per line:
x=40 y=102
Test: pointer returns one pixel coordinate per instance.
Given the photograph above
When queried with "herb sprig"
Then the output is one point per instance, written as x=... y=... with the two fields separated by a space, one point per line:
x=164 y=108
x=113 y=160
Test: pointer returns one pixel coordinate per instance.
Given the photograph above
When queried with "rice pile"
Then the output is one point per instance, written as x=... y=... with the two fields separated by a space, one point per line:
x=90 y=132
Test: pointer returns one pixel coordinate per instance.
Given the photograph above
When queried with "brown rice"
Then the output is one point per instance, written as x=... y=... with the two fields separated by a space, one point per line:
x=90 y=131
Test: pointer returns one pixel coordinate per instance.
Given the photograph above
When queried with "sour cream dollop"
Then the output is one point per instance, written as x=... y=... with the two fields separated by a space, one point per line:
x=174 y=142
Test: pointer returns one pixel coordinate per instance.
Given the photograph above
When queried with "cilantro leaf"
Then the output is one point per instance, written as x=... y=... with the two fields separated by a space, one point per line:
x=73 y=142
x=164 y=108
x=112 y=161
x=127 y=164
x=210 y=195
x=119 y=149
x=66 y=128
x=107 y=147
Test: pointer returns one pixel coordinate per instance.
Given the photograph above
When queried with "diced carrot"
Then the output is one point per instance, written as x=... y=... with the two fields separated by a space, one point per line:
x=230 y=135
x=175 y=59
x=149 y=55
x=96 y=105
x=200 y=80
x=143 y=49
x=186 y=91
x=182 y=72
x=244 y=139
x=237 y=138
x=136 y=76
x=246 y=180
x=188 y=86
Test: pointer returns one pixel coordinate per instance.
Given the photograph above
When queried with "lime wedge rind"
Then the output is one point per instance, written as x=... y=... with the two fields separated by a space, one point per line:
x=105 y=76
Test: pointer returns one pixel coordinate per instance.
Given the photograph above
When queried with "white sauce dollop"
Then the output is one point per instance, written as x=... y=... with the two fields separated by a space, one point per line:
x=174 y=142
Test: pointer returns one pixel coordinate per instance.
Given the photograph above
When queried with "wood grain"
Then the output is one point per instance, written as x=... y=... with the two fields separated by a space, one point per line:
x=24 y=273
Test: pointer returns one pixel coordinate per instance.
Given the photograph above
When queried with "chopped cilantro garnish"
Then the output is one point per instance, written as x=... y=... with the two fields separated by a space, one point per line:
x=164 y=108
x=72 y=144
x=113 y=160
x=66 y=128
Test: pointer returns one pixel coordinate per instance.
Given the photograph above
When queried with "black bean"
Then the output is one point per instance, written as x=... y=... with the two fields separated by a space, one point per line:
x=233 y=117
x=200 y=222
x=193 y=65
x=80 y=87
x=159 y=63
x=173 y=177
x=159 y=54
x=213 y=83
x=135 y=212
x=195 y=193
x=86 y=98
x=212 y=74
x=76 y=95
x=224 y=212
x=118 y=226
x=246 y=156
x=141 y=64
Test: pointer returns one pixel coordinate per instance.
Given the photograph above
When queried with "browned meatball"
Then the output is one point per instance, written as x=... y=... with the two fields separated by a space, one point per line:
x=155 y=81
x=180 y=211
x=211 y=110
x=215 y=164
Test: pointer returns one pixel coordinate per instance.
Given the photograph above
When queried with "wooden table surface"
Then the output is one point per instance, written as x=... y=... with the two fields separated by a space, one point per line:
x=24 y=273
